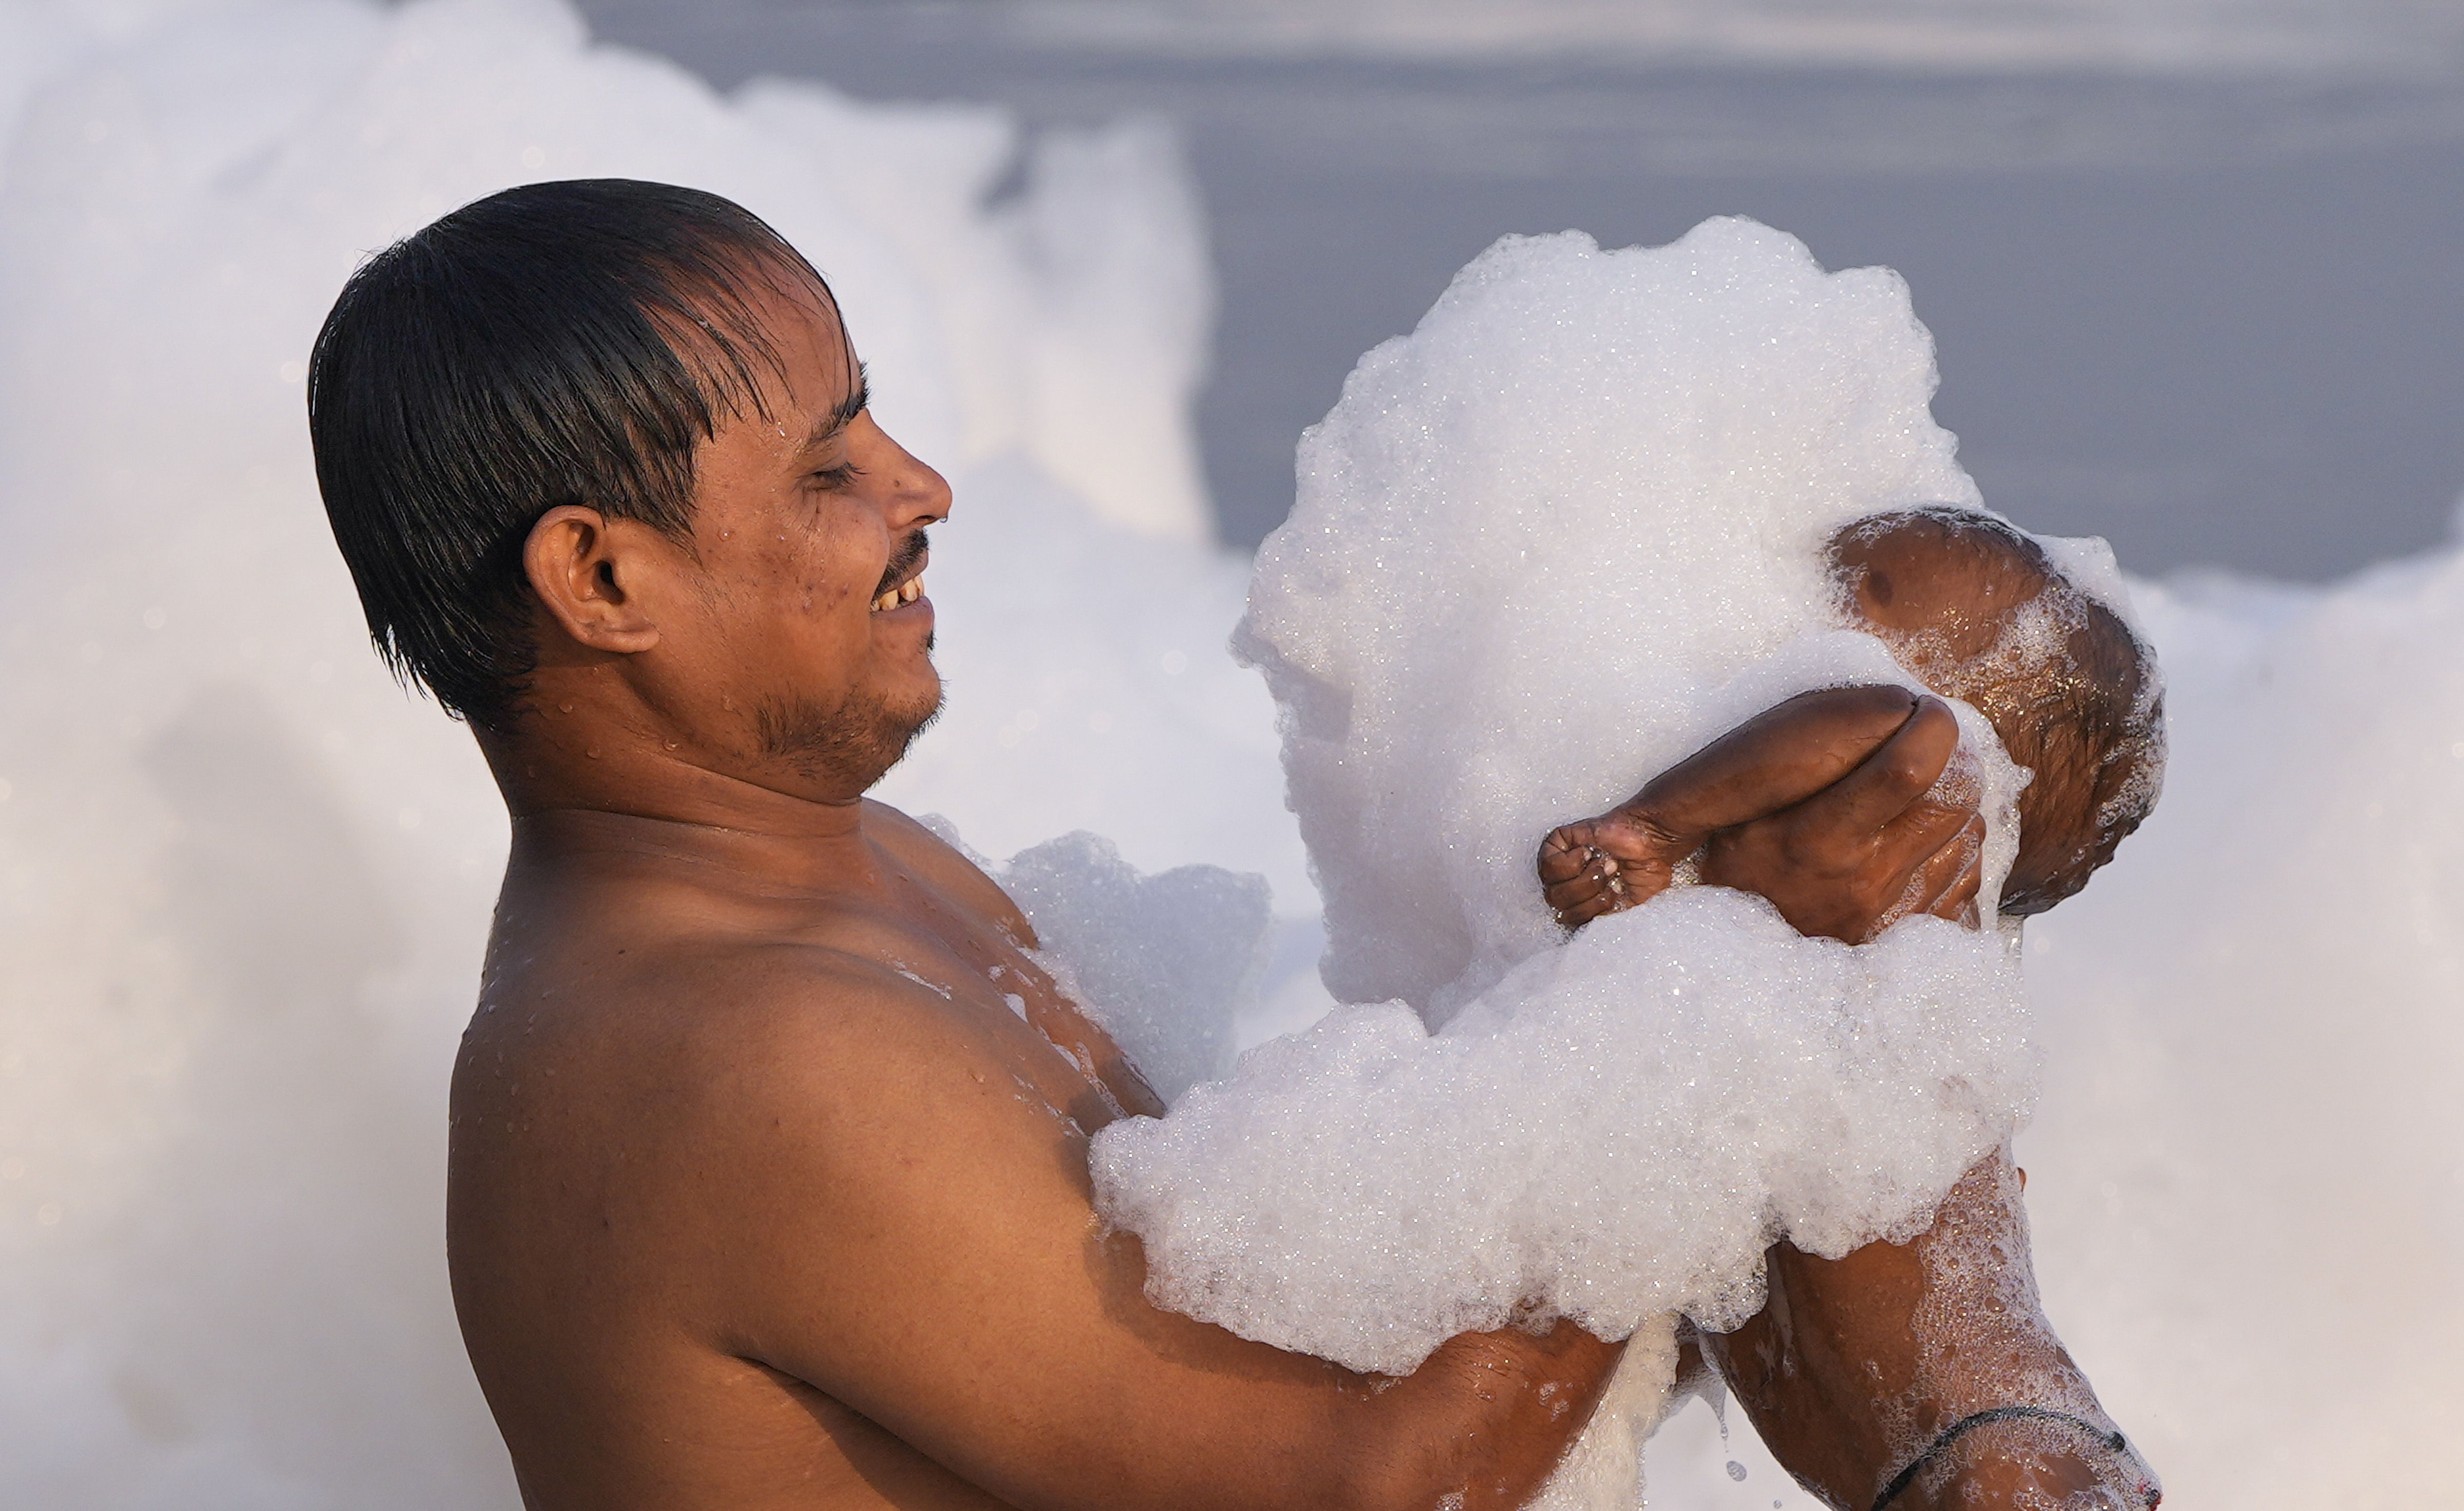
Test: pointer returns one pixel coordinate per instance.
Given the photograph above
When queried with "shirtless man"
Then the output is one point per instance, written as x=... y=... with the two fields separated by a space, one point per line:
x=760 y=1195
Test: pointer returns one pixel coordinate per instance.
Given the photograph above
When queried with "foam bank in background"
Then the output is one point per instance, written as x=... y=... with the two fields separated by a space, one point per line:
x=243 y=880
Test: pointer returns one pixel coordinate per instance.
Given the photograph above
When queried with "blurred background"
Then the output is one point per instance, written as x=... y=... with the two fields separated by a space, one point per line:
x=2192 y=271
x=2190 y=263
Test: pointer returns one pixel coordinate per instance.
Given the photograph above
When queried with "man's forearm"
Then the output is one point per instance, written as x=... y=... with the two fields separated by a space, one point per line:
x=1928 y=1360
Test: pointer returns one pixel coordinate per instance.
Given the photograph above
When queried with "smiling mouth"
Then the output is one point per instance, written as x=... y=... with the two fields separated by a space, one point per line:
x=902 y=583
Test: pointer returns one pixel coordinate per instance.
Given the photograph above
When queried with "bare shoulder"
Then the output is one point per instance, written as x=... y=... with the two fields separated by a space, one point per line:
x=942 y=863
x=799 y=1028
x=730 y=1108
x=707 y=1036
x=676 y=1192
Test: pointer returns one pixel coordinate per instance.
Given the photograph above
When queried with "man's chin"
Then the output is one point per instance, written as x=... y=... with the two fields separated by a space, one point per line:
x=927 y=715
x=850 y=748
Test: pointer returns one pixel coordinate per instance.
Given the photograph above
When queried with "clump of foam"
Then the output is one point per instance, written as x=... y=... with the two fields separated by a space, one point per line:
x=1556 y=539
x=1617 y=1130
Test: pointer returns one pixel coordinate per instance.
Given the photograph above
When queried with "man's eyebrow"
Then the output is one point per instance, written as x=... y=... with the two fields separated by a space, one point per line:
x=827 y=428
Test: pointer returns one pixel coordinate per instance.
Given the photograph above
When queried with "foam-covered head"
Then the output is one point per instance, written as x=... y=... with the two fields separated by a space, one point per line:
x=1978 y=609
x=1567 y=531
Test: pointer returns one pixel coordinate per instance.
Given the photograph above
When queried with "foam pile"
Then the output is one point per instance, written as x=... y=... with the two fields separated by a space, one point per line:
x=2248 y=1178
x=1566 y=532
x=1616 y=1131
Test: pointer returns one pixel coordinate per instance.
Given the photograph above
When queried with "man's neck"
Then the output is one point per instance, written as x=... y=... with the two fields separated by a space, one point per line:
x=597 y=796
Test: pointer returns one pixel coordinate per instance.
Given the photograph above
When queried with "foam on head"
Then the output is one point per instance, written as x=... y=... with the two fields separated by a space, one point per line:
x=1980 y=610
x=1566 y=532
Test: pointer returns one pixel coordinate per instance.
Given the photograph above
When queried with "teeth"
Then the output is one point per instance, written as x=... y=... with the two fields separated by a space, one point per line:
x=887 y=601
x=911 y=589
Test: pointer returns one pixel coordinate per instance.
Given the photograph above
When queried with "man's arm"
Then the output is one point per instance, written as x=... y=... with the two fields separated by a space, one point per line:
x=914 y=1235
x=1931 y=1355
x=1858 y=1368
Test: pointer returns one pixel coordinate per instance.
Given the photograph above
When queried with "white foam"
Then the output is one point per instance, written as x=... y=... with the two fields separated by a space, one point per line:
x=1569 y=530
x=1165 y=964
x=233 y=973
x=1616 y=1132
x=1551 y=542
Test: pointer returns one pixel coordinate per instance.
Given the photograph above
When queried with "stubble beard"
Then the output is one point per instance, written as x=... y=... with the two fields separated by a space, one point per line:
x=849 y=747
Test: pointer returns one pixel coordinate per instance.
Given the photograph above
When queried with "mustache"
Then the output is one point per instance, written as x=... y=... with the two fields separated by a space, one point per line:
x=902 y=562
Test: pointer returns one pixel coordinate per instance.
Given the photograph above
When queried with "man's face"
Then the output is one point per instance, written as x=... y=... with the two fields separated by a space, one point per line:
x=781 y=662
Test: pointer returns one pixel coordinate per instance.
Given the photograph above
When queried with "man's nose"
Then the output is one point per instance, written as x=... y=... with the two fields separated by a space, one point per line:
x=918 y=495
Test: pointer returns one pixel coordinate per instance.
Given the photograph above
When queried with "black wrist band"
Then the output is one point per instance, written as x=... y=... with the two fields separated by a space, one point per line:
x=1960 y=1429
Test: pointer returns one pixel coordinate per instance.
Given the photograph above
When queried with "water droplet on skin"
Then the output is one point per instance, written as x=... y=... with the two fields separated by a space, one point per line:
x=564 y=708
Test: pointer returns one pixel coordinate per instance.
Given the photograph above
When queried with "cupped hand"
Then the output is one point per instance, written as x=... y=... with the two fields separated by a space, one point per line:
x=1888 y=841
x=1826 y=804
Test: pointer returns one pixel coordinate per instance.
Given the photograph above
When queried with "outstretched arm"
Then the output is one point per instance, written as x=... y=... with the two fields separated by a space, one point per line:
x=1908 y=1376
x=1927 y=1372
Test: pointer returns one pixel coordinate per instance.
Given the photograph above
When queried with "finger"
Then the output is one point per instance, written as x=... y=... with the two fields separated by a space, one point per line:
x=1605 y=885
x=1581 y=892
x=1887 y=782
x=1577 y=915
x=1925 y=828
x=1574 y=914
x=1777 y=759
x=1593 y=869
x=1897 y=860
x=1934 y=883
x=1951 y=880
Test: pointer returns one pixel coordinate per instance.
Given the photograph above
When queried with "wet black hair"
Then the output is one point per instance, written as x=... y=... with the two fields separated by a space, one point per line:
x=556 y=344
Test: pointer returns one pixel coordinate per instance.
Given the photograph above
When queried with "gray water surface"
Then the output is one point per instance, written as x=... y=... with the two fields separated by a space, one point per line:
x=2216 y=319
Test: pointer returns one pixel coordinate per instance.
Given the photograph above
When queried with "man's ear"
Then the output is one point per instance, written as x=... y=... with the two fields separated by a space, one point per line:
x=588 y=571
